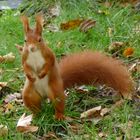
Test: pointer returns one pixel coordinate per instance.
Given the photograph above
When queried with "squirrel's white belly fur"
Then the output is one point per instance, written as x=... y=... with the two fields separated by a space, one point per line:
x=36 y=61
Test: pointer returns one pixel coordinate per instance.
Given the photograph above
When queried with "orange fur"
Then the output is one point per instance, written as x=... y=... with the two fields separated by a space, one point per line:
x=31 y=98
x=95 y=68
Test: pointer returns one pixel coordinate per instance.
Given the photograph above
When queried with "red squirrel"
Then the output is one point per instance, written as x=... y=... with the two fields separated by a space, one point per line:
x=46 y=78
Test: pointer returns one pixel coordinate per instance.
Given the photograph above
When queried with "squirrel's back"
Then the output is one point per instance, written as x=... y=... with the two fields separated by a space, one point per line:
x=96 y=68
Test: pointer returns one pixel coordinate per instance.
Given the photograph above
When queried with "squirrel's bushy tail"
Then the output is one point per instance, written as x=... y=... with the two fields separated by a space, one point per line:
x=92 y=68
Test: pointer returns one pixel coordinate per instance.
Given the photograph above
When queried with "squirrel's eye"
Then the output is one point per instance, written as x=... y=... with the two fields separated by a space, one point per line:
x=25 y=40
x=39 y=40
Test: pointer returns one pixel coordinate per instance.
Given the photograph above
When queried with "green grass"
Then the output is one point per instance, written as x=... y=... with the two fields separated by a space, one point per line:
x=122 y=20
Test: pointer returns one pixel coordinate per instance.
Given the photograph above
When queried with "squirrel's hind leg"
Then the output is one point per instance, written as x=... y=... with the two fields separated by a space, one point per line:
x=31 y=99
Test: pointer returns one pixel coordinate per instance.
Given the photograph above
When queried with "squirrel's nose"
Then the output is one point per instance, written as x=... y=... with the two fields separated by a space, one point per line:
x=32 y=48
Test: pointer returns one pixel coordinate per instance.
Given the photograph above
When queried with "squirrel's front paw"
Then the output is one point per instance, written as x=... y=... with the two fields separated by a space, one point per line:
x=31 y=78
x=42 y=74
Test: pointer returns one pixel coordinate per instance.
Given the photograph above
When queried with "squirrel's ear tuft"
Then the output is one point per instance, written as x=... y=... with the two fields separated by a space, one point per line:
x=39 y=23
x=25 y=22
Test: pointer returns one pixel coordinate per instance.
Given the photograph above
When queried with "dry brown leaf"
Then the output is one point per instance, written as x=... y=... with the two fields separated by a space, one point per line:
x=71 y=24
x=69 y=119
x=83 y=24
x=104 y=111
x=75 y=128
x=27 y=129
x=23 y=124
x=3 y=130
x=102 y=135
x=54 y=11
x=81 y=89
x=50 y=136
x=86 y=25
x=97 y=112
x=91 y=112
x=3 y=84
x=115 y=46
x=128 y=52
x=7 y=58
x=52 y=28
x=135 y=67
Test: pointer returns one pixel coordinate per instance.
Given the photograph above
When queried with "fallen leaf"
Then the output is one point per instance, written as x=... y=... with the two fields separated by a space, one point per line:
x=91 y=112
x=81 y=89
x=54 y=11
x=69 y=119
x=52 y=28
x=71 y=24
x=86 y=25
x=7 y=58
x=23 y=124
x=104 y=111
x=27 y=129
x=128 y=52
x=102 y=135
x=50 y=135
x=97 y=112
x=114 y=46
x=3 y=130
x=75 y=128
x=83 y=24
x=134 y=67
x=3 y=84
x=24 y=121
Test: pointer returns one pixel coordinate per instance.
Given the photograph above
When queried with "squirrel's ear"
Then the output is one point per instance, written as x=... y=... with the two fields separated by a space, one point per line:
x=39 y=24
x=25 y=22
x=20 y=48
